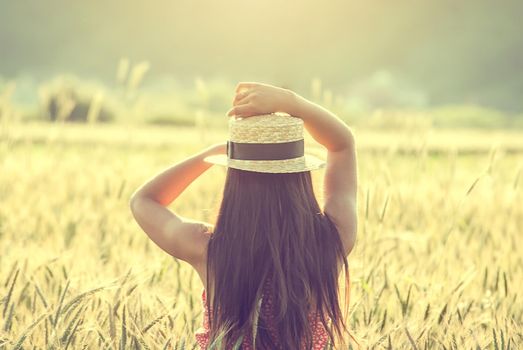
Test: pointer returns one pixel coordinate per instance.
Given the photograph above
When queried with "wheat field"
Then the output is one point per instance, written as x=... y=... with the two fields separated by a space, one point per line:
x=438 y=262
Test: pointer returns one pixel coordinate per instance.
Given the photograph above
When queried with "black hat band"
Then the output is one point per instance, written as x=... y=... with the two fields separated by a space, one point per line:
x=265 y=151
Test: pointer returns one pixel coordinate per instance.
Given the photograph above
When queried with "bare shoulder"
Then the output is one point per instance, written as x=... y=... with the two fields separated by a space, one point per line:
x=201 y=242
x=200 y=235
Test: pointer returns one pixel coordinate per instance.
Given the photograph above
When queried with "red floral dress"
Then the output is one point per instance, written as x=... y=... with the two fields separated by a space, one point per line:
x=319 y=337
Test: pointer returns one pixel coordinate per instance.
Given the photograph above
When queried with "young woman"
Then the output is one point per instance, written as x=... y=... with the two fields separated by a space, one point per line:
x=270 y=263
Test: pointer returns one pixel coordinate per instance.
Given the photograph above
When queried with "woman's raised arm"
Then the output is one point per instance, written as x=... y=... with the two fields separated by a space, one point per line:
x=181 y=237
x=340 y=182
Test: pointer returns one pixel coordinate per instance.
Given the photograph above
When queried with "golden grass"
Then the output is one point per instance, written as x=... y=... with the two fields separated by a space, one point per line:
x=438 y=261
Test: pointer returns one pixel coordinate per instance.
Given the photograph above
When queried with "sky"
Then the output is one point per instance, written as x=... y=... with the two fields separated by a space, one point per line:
x=454 y=51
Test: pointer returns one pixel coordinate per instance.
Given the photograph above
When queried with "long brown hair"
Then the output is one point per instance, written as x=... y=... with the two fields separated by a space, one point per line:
x=270 y=225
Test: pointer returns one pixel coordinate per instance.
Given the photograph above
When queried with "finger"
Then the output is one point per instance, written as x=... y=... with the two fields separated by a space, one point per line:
x=238 y=96
x=240 y=110
x=241 y=95
x=245 y=85
x=243 y=99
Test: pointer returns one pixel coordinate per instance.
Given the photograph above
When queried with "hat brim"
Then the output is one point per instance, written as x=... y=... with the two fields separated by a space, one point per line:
x=305 y=163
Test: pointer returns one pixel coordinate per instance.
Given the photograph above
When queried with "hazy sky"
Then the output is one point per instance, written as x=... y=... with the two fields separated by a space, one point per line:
x=453 y=49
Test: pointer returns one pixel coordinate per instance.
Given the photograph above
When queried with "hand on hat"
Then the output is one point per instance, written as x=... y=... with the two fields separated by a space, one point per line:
x=258 y=98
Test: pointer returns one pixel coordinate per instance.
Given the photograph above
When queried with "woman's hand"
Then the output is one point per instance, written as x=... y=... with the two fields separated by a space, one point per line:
x=259 y=98
x=217 y=148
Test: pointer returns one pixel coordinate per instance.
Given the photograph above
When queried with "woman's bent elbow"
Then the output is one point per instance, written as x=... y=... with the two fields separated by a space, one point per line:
x=134 y=203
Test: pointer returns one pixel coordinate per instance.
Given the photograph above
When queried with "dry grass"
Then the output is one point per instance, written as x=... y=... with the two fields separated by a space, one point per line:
x=437 y=264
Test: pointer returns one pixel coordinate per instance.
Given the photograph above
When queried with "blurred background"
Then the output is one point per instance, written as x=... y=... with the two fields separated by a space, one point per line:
x=96 y=97
x=165 y=62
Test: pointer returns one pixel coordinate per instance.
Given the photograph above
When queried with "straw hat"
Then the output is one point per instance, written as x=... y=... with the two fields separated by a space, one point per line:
x=267 y=143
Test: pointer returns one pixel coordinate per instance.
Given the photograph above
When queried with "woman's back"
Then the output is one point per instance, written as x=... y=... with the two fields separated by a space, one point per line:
x=271 y=225
x=267 y=314
x=269 y=222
